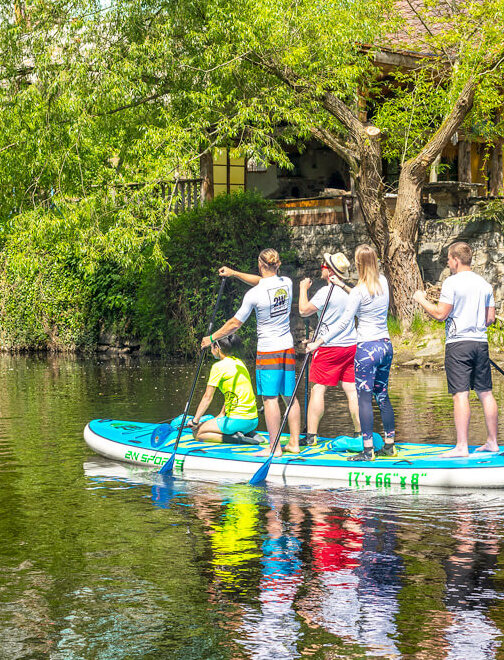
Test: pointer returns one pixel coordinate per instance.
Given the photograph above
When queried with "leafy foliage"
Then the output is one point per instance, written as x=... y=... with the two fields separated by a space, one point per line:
x=71 y=272
x=99 y=98
x=229 y=231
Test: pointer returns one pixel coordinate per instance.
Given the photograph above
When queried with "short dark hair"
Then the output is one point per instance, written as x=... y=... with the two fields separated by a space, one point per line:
x=462 y=251
x=230 y=345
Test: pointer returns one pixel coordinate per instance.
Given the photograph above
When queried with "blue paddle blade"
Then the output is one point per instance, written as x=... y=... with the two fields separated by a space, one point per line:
x=261 y=473
x=168 y=466
x=160 y=435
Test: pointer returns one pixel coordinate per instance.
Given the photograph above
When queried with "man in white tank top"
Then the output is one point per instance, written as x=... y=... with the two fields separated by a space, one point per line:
x=467 y=306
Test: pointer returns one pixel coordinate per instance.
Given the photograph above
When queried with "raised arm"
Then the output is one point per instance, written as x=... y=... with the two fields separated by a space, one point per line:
x=306 y=308
x=248 y=278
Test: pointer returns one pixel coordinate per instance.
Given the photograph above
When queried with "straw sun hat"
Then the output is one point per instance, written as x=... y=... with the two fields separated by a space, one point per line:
x=338 y=263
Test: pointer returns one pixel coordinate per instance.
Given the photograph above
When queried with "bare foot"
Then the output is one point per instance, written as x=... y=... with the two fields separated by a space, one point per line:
x=488 y=446
x=266 y=453
x=454 y=453
x=292 y=449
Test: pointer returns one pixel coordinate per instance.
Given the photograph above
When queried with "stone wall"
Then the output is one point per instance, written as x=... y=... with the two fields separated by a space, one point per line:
x=486 y=239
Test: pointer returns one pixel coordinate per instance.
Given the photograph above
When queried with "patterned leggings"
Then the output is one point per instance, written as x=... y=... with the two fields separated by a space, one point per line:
x=372 y=368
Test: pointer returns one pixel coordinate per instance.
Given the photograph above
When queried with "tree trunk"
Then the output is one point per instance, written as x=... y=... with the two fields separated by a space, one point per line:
x=370 y=192
x=207 y=184
x=400 y=261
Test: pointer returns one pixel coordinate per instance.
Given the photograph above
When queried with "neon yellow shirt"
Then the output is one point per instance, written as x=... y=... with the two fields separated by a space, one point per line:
x=232 y=378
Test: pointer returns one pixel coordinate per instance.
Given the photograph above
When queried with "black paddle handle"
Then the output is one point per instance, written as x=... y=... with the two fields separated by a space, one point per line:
x=200 y=364
x=305 y=362
x=496 y=366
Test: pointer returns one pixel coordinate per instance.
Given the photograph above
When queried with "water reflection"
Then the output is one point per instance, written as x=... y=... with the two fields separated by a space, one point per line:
x=111 y=562
x=314 y=573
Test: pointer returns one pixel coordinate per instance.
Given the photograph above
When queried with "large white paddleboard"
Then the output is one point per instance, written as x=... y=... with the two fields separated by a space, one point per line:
x=415 y=466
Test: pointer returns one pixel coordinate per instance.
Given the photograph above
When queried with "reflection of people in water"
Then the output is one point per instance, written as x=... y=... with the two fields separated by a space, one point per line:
x=233 y=536
x=273 y=630
x=470 y=590
x=358 y=569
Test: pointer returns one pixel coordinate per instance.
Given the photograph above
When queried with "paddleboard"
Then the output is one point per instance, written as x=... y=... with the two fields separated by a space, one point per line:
x=415 y=466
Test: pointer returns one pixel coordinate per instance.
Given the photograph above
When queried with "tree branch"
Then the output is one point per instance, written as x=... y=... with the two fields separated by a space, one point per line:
x=461 y=108
x=329 y=139
x=328 y=100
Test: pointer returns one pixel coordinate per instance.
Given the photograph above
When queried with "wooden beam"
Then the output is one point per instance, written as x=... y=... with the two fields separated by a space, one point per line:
x=464 y=161
x=496 y=172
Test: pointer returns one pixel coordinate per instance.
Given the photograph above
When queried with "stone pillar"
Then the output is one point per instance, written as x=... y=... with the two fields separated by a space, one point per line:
x=207 y=183
x=496 y=183
x=464 y=162
x=433 y=174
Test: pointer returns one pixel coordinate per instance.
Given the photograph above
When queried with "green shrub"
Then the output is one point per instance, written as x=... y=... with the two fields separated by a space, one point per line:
x=231 y=230
x=496 y=334
x=121 y=264
x=70 y=272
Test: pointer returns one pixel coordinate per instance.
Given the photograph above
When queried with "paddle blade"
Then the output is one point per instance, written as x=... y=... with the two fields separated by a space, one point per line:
x=261 y=473
x=168 y=466
x=160 y=434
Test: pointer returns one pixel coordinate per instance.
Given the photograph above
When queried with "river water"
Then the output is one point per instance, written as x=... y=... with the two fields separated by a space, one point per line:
x=98 y=562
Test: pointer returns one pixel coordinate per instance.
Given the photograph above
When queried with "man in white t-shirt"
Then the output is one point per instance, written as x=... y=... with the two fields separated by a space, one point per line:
x=467 y=306
x=271 y=298
x=332 y=363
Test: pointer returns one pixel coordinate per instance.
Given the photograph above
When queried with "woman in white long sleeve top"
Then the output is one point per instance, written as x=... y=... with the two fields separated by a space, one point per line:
x=369 y=302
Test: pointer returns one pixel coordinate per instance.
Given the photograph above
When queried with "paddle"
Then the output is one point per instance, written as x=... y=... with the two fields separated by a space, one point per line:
x=168 y=466
x=306 y=384
x=262 y=472
x=496 y=367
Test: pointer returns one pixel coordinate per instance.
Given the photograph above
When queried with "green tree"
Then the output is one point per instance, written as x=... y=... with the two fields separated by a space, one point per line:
x=137 y=90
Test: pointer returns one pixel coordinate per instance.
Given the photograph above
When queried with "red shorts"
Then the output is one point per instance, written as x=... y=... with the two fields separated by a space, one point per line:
x=332 y=364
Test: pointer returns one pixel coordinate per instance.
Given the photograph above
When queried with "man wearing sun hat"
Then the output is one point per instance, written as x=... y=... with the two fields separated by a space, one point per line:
x=332 y=363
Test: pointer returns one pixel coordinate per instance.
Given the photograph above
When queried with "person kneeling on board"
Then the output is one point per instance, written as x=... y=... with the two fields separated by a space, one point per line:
x=231 y=377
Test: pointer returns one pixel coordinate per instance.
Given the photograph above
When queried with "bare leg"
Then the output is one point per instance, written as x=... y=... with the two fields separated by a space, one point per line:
x=316 y=407
x=273 y=419
x=353 y=404
x=294 y=420
x=208 y=432
x=462 y=414
x=491 y=419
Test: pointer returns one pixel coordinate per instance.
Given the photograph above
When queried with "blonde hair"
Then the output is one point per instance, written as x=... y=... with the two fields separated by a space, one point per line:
x=270 y=259
x=367 y=268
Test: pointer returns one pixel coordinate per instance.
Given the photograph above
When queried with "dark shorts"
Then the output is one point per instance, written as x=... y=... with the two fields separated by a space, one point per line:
x=467 y=367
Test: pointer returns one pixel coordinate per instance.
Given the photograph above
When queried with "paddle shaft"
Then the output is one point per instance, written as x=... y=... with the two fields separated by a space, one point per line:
x=262 y=472
x=496 y=367
x=307 y=335
x=168 y=466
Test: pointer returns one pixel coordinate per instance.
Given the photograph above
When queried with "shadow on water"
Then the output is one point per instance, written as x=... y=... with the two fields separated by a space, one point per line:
x=102 y=560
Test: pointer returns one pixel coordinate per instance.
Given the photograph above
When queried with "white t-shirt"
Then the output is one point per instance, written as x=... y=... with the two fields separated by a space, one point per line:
x=371 y=312
x=272 y=301
x=335 y=308
x=470 y=295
